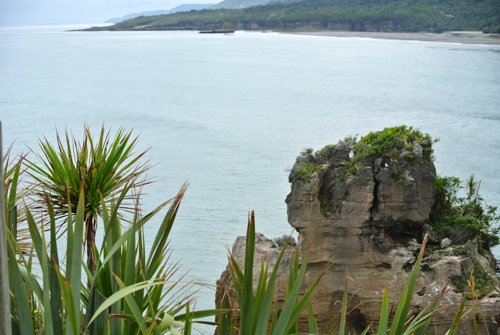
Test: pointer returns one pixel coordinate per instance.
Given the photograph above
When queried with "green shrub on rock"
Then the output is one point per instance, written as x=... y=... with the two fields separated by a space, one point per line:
x=381 y=143
x=326 y=151
x=484 y=281
x=307 y=172
x=283 y=240
x=464 y=218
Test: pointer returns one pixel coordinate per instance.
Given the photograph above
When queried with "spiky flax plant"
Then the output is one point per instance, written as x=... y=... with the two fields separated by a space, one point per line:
x=101 y=167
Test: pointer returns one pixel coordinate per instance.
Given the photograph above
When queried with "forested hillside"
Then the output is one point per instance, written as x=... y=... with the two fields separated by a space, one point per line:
x=240 y=3
x=355 y=15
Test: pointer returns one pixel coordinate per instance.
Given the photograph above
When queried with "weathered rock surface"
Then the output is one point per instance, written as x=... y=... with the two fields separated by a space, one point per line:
x=372 y=220
x=264 y=249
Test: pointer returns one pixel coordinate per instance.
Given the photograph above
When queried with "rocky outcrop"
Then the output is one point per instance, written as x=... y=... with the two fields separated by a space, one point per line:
x=264 y=249
x=370 y=212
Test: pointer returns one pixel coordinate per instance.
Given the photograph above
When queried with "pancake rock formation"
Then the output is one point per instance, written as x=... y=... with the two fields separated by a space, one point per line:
x=367 y=207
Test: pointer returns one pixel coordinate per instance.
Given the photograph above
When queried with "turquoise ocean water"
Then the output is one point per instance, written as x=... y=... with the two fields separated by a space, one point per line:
x=230 y=113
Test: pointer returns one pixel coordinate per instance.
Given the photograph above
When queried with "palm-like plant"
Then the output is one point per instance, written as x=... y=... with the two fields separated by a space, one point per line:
x=11 y=173
x=15 y=200
x=472 y=188
x=100 y=169
x=130 y=293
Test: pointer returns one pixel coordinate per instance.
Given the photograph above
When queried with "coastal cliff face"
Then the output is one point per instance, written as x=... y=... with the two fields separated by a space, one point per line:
x=276 y=25
x=369 y=212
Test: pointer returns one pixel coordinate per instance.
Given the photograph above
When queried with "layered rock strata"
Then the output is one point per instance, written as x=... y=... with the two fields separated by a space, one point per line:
x=371 y=218
x=264 y=249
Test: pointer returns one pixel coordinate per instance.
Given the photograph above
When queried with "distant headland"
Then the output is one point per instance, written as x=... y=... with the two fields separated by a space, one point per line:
x=430 y=20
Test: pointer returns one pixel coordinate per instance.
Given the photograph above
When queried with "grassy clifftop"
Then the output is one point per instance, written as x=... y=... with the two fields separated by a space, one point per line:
x=355 y=15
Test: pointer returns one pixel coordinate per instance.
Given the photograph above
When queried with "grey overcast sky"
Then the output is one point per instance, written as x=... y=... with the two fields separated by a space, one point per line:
x=35 y=12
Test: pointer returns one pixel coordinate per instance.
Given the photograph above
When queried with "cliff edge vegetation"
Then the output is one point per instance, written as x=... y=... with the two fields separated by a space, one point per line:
x=459 y=212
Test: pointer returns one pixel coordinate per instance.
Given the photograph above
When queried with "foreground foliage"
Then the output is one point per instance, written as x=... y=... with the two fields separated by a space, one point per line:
x=100 y=169
x=130 y=291
x=133 y=292
x=259 y=313
x=255 y=308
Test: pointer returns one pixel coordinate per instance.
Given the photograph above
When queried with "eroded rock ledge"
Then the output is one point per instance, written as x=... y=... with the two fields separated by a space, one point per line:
x=370 y=213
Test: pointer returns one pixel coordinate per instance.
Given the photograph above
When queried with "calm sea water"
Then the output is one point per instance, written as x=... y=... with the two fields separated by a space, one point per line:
x=230 y=113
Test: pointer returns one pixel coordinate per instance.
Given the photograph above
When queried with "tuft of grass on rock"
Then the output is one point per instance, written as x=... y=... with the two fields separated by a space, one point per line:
x=280 y=241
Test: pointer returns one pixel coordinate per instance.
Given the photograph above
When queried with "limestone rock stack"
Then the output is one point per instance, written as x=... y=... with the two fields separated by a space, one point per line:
x=370 y=215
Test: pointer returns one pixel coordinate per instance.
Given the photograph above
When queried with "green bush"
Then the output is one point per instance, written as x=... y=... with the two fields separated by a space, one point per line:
x=409 y=158
x=307 y=172
x=464 y=217
x=395 y=138
x=396 y=174
x=458 y=251
x=427 y=152
x=307 y=152
x=484 y=281
x=387 y=144
x=326 y=151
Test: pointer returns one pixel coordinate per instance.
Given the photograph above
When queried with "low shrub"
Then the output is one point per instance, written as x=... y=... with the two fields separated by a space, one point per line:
x=396 y=174
x=326 y=151
x=402 y=137
x=307 y=172
x=463 y=218
x=458 y=251
x=280 y=241
x=386 y=144
x=484 y=281
x=307 y=152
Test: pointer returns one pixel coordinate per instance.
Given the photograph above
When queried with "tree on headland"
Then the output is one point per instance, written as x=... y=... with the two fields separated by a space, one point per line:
x=101 y=167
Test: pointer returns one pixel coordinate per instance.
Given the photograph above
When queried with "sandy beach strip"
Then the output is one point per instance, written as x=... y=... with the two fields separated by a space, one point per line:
x=469 y=37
